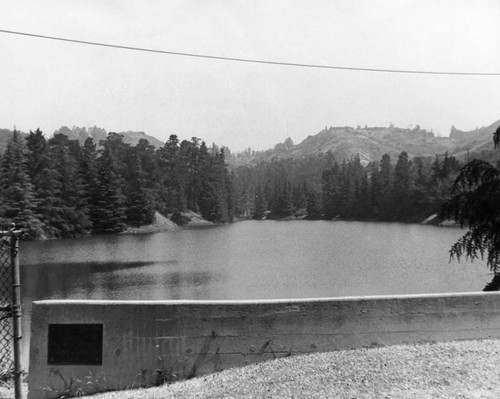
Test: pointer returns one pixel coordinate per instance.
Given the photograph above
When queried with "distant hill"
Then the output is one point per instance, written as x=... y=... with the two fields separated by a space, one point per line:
x=133 y=138
x=98 y=134
x=369 y=142
x=81 y=134
x=475 y=143
x=373 y=142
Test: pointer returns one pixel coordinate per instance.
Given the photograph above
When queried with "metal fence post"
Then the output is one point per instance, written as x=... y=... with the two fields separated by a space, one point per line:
x=16 y=310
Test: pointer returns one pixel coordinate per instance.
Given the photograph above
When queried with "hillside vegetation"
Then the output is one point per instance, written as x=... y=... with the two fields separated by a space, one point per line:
x=58 y=188
x=388 y=174
x=371 y=143
x=87 y=181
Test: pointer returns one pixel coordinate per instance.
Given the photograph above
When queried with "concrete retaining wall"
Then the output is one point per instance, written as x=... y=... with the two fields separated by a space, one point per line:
x=144 y=341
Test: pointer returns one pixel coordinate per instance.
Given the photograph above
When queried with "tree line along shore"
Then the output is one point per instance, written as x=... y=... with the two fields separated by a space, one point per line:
x=60 y=188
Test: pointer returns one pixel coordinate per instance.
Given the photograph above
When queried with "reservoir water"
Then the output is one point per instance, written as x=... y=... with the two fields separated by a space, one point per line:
x=249 y=260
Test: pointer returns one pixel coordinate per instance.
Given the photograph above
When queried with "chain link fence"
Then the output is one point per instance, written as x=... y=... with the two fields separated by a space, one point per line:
x=6 y=329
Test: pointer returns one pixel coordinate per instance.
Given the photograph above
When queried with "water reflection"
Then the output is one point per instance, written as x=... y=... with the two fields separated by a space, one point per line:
x=113 y=280
x=56 y=280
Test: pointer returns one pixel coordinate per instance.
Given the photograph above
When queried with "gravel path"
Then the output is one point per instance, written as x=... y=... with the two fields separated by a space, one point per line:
x=465 y=369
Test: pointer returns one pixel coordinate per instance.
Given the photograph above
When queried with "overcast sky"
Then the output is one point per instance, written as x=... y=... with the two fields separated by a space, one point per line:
x=48 y=84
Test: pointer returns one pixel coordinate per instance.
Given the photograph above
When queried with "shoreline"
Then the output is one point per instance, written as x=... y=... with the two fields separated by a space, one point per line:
x=164 y=223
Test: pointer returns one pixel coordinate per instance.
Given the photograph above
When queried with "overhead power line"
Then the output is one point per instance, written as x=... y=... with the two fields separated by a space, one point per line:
x=247 y=60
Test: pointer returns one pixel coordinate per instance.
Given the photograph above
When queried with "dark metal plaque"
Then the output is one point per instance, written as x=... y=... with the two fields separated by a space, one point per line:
x=75 y=344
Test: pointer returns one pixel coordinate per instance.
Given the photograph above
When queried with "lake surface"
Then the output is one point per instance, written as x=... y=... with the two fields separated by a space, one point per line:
x=249 y=260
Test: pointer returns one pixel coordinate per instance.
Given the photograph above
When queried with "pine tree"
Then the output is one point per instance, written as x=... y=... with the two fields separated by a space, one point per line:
x=386 y=179
x=401 y=187
x=331 y=192
x=213 y=193
x=46 y=183
x=299 y=197
x=187 y=167
x=88 y=167
x=313 y=209
x=286 y=200
x=375 y=193
x=38 y=154
x=260 y=207
x=351 y=173
x=475 y=203
x=140 y=208
x=66 y=157
x=108 y=202
x=170 y=194
x=18 y=198
x=363 y=201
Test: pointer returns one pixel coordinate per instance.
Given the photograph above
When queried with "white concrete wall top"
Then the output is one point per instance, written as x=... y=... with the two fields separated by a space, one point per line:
x=260 y=301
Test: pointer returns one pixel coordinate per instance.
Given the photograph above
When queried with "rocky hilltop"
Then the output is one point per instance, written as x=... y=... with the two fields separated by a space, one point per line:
x=373 y=142
x=98 y=134
x=476 y=142
x=82 y=134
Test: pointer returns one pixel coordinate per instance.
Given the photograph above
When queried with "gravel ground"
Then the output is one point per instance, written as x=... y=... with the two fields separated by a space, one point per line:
x=465 y=369
x=7 y=391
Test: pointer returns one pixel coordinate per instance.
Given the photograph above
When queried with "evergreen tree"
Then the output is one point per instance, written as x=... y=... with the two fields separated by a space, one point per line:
x=286 y=201
x=206 y=196
x=436 y=168
x=227 y=186
x=351 y=200
x=89 y=173
x=475 y=203
x=364 y=210
x=385 y=179
x=401 y=188
x=140 y=208
x=299 y=197
x=313 y=206
x=46 y=183
x=18 y=198
x=260 y=205
x=188 y=166
x=108 y=206
x=375 y=190
x=420 y=175
x=38 y=154
x=66 y=158
x=172 y=177
x=331 y=192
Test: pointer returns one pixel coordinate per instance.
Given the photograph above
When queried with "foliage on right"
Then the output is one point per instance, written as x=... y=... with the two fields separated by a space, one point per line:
x=475 y=203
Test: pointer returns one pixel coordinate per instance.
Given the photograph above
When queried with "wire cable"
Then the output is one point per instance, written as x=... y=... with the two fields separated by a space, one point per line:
x=247 y=60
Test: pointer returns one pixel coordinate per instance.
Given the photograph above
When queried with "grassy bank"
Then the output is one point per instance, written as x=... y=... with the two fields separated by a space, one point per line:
x=466 y=369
